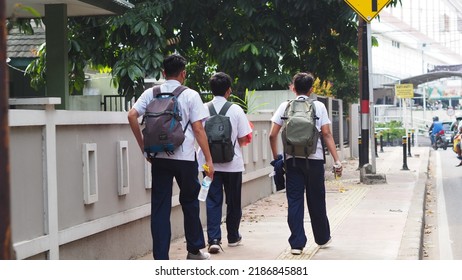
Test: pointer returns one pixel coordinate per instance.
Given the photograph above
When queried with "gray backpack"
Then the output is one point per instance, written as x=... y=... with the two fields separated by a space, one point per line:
x=163 y=131
x=218 y=129
x=299 y=133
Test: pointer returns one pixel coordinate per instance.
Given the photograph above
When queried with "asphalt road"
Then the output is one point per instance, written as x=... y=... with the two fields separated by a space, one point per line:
x=443 y=227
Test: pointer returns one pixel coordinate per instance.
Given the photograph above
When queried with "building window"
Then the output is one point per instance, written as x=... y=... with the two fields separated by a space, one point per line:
x=444 y=23
x=395 y=44
x=459 y=24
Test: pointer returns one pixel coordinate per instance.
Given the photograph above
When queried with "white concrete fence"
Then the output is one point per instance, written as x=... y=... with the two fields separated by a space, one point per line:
x=80 y=188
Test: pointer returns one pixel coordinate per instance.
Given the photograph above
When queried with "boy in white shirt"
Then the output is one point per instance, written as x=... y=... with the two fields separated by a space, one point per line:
x=227 y=175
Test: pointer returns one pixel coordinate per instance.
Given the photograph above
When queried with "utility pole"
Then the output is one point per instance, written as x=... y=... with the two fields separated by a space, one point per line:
x=363 y=90
x=5 y=218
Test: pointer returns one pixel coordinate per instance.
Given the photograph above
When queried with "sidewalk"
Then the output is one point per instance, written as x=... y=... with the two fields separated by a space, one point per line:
x=368 y=222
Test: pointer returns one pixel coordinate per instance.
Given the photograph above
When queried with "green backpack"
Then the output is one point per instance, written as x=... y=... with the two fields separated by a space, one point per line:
x=299 y=133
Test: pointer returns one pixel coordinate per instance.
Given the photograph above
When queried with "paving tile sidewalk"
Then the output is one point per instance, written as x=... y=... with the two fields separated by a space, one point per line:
x=376 y=222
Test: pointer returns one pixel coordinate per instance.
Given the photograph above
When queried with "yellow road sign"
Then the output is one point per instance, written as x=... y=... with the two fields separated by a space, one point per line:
x=367 y=9
x=404 y=90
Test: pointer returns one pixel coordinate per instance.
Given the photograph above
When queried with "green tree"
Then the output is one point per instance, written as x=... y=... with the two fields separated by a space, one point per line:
x=260 y=43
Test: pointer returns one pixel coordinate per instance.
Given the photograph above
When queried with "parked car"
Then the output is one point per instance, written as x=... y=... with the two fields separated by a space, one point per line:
x=448 y=133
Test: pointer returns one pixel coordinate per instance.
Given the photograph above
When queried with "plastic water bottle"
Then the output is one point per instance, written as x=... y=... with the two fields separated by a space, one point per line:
x=204 y=188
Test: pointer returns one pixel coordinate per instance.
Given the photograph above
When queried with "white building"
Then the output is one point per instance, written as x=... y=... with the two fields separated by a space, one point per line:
x=416 y=38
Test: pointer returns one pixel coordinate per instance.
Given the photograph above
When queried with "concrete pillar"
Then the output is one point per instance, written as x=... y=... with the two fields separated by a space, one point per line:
x=354 y=130
x=57 y=76
x=340 y=135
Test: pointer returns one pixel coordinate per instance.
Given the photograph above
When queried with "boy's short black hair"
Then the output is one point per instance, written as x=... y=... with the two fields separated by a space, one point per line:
x=303 y=82
x=173 y=65
x=220 y=83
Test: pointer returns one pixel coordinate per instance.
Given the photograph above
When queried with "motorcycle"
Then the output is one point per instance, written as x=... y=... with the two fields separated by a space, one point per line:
x=440 y=141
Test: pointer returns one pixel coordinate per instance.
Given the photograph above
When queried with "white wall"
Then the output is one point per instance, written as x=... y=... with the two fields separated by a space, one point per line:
x=51 y=216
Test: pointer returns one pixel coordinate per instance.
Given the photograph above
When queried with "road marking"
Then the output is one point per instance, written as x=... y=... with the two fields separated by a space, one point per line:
x=443 y=227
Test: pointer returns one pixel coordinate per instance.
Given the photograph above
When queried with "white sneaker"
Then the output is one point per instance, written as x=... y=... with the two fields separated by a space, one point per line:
x=325 y=245
x=199 y=256
x=296 y=251
x=214 y=247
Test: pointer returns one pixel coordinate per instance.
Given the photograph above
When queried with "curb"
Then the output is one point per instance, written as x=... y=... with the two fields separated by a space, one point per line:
x=411 y=247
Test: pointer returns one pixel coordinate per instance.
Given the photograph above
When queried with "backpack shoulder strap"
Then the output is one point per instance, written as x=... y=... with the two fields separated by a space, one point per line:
x=285 y=115
x=212 y=110
x=313 y=105
x=179 y=90
x=155 y=90
x=225 y=108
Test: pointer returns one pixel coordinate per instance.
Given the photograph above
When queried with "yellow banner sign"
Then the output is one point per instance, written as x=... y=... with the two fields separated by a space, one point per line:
x=367 y=9
x=404 y=90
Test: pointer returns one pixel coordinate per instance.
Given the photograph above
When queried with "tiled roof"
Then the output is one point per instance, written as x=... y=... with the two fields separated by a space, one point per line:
x=24 y=46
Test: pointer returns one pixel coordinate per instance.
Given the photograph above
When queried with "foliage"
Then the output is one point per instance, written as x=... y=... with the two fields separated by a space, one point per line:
x=248 y=102
x=24 y=25
x=261 y=43
x=393 y=129
x=322 y=88
x=37 y=69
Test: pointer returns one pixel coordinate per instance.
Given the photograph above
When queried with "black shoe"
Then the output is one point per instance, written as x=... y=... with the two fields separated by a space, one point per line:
x=236 y=243
x=215 y=246
x=325 y=245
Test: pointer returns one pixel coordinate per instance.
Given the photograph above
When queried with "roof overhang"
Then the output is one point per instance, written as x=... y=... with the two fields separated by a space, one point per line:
x=74 y=7
x=427 y=77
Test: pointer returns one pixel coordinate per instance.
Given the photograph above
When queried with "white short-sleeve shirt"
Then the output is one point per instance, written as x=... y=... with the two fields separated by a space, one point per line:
x=191 y=109
x=240 y=128
x=323 y=119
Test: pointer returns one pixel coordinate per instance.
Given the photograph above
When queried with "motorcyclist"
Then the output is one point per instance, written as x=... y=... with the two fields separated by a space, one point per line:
x=435 y=128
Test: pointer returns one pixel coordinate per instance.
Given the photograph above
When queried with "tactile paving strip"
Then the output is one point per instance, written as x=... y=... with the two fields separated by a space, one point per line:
x=350 y=199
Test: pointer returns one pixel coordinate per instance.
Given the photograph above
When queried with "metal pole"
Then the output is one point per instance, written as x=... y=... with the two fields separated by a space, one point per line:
x=5 y=216
x=381 y=142
x=404 y=154
x=360 y=151
x=363 y=90
x=412 y=136
x=409 y=144
x=375 y=144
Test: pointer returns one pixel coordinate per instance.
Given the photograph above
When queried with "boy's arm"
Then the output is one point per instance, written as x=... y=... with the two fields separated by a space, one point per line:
x=201 y=139
x=330 y=143
x=135 y=127
x=273 y=138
